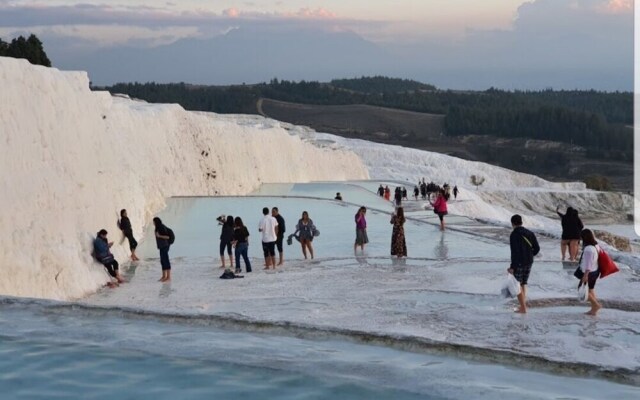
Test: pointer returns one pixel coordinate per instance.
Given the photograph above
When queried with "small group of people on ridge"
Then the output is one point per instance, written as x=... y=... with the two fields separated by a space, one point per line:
x=234 y=234
x=524 y=246
x=102 y=245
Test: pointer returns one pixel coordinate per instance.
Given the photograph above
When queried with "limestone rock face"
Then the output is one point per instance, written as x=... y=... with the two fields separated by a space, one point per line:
x=619 y=242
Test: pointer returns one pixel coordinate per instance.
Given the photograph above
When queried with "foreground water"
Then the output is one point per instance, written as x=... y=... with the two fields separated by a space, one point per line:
x=52 y=350
x=343 y=326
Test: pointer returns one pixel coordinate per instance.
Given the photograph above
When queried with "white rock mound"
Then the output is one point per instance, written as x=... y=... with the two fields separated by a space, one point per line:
x=71 y=159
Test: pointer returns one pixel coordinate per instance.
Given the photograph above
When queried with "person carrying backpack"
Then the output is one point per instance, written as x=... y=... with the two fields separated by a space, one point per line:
x=524 y=246
x=164 y=240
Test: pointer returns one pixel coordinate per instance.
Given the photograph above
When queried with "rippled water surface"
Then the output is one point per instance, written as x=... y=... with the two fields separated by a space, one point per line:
x=63 y=371
x=341 y=326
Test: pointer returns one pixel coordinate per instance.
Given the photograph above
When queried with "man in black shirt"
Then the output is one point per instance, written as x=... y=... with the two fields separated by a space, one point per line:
x=280 y=233
x=524 y=246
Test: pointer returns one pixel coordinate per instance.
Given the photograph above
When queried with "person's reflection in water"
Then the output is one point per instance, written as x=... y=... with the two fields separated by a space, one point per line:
x=441 y=251
x=362 y=260
x=165 y=290
x=399 y=262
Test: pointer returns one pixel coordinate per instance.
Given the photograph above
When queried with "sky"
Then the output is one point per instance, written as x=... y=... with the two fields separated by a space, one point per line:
x=461 y=44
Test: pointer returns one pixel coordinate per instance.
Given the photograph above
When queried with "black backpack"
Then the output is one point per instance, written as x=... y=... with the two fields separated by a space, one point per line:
x=228 y=274
x=172 y=236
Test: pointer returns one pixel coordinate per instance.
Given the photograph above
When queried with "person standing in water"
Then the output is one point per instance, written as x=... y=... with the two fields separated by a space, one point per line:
x=589 y=267
x=440 y=207
x=571 y=232
x=125 y=227
x=416 y=192
x=361 y=229
x=524 y=246
x=275 y=213
x=163 y=242
x=387 y=193
x=101 y=252
x=455 y=192
x=241 y=243
x=381 y=191
x=268 y=226
x=397 y=196
x=226 y=237
x=338 y=196
x=398 y=243
x=305 y=229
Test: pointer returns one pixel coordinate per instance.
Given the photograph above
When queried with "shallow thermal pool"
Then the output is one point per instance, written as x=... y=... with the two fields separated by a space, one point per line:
x=342 y=325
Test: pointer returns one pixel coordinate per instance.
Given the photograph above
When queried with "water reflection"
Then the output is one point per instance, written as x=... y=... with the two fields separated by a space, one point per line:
x=441 y=250
x=165 y=290
x=399 y=262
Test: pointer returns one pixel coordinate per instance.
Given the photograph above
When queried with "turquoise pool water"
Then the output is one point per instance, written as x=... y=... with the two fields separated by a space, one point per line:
x=61 y=351
x=340 y=326
x=30 y=370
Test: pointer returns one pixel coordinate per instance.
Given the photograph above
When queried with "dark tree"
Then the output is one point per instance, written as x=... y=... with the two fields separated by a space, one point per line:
x=30 y=49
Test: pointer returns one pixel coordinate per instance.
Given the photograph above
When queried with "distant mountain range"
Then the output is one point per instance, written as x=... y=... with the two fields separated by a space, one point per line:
x=237 y=55
x=255 y=54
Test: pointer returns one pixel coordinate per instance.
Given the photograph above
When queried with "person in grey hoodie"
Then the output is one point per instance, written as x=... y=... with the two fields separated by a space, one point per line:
x=101 y=252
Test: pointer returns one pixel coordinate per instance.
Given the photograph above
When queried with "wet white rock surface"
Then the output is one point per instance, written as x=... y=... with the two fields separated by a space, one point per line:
x=446 y=292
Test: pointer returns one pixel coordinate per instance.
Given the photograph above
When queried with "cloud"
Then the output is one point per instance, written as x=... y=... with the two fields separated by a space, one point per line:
x=619 y=6
x=92 y=36
x=308 y=13
x=559 y=43
x=103 y=14
x=231 y=12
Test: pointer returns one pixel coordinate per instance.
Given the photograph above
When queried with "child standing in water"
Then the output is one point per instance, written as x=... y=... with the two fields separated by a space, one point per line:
x=361 y=229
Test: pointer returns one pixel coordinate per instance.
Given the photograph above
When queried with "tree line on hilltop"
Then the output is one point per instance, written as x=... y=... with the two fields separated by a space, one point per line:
x=28 y=48
x=596 y=120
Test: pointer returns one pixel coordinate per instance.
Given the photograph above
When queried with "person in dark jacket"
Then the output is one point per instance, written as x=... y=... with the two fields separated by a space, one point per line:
x=397 y=196
x=241 y=244
x=275 y=213
x=125 y=227
x=524 y=246
x=162 y=242
x=101 y=252
x=226 y=237
x=571 y=228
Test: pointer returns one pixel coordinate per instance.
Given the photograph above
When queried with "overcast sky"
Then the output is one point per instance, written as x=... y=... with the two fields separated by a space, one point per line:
x=451 y=43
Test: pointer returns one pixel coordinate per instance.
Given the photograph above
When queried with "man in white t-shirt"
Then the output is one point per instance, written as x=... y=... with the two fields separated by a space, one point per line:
x=269 y=228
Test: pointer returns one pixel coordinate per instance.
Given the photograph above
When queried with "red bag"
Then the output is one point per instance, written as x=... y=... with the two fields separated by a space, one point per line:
x=606 y=266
